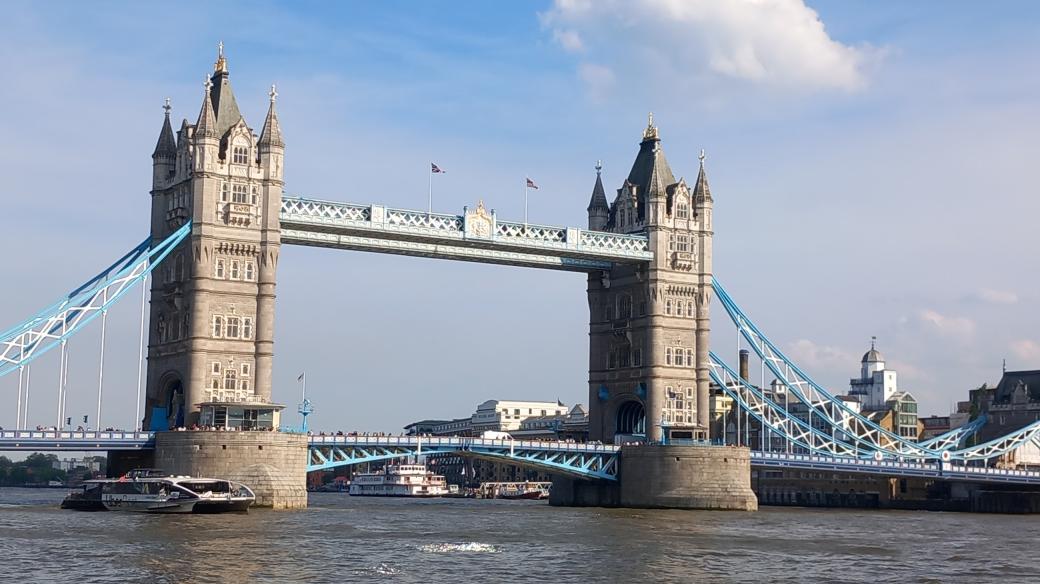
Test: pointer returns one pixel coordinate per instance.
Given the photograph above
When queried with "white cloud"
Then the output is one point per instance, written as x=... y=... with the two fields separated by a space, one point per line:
x=777 y=43
x=811 y=356
x=569 y=40
x=599 y=80
x=1026 y=350
x=960 y=327
x=991 y=296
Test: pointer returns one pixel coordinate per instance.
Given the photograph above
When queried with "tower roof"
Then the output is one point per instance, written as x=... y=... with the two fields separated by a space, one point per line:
x=599 y=197
x=271 y=135
x=701 y=192
x=650 y=172
x=225 y=108
x=206 y=126
x=873 y=355
x=167 y=145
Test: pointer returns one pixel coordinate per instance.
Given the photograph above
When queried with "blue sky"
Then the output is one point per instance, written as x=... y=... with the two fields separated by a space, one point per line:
x=872 y=164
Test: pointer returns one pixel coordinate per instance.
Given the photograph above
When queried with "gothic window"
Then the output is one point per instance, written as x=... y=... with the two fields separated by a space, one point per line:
x=689 y=392
x=671 y=242
x=218 y=326
x=682 y=211
x=239 y=193
x=689 y=357
x=223 y=192
x=621 y=220
x=642 y=308
x=625 y=357
x=229 y=378
x=232 y=327
x=624 y=306
x=240 y=155
x=678 y=308
x=637 y=357
x=218 y=270
x=245 y=370
x=668 y=356
x=247 y=328
x=160 y=328
x=235 y=270
x=612 y=359
x=215 y=384
x=254 y=197
x=249 y=271
x=243 y=385
x=216 y=368
x=668 y=306
x=689 y=309
x=682 y=243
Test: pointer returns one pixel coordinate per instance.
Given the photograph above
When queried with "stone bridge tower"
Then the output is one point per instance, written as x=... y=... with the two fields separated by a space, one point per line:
x=648 y=351
x=211 y=331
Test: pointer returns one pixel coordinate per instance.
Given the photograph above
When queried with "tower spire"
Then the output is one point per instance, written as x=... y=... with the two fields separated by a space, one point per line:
x=207 y=124
x=166 y=146
x=701 y=191
x=271 y=135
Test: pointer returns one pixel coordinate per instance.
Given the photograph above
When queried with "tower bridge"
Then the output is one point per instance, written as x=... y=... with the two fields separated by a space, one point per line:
x=219 y=217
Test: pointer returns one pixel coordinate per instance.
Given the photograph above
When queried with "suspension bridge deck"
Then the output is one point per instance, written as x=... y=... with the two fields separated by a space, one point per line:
x=472 y=237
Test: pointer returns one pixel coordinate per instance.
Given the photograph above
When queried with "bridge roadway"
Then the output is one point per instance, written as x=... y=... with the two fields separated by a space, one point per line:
x=577 y=459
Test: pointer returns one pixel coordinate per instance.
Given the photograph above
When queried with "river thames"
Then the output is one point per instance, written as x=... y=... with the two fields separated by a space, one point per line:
x=344 y=539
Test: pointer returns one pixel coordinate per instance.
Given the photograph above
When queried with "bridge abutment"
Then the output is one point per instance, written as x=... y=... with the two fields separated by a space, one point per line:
x=272 y=464
x=668 y=477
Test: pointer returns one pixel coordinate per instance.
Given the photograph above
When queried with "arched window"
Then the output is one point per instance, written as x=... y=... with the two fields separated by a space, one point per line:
x=668 y=307
x=668 y=356
x=239 y=193
x=223 y=192
x=689 y=357
x=218 y=270
x=160 y=328
x=621 y=218
x=245 y=370
x=683 y=211
x=678 y=308
x=637 y=357
x=218 y=326
x=689 y=309
x=240 y=155
x=249 y=271
x=247 y=328
x=229 y=378
x=254 y=199
x=235 y=274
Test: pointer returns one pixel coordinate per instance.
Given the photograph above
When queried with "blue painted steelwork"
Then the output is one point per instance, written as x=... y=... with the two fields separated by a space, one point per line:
x=949 y=471
x=45 y=330
x=50 y=440
x=591 y=461
x=466 y=237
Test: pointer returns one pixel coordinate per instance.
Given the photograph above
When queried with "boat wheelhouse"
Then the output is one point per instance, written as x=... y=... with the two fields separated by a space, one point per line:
x=399 y=480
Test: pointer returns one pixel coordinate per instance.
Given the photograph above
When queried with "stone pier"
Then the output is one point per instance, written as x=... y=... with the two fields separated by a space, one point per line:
x=668 y=477
x=272 y=464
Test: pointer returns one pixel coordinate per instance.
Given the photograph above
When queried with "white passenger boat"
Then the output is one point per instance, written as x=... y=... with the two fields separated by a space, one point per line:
x=153 y=491
x=399 y=480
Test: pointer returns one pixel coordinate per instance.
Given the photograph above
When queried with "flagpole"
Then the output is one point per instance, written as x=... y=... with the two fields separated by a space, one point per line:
x=526 y=190
x=430 y=207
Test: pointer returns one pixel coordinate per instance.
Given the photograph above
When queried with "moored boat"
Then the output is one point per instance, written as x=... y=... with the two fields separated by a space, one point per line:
x=399 y=480
x=153 y=491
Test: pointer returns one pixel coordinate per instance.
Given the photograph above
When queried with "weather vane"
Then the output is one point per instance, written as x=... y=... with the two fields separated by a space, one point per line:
x=166 y=106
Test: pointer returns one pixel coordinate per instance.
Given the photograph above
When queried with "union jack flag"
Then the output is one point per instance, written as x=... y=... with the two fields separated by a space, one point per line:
x=435 y=169
x=531 y=185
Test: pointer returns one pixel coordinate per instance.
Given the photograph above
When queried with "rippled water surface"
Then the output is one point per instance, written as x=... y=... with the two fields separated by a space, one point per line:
x=344 y=539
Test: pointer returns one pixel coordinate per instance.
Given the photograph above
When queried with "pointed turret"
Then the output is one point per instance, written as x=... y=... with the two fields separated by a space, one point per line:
x=166 y=147
x=225 y=108
x=701 y=192
x=206 y=127
x=650 y=172
x=599 y=210
x=164 y=158
x=271 y=135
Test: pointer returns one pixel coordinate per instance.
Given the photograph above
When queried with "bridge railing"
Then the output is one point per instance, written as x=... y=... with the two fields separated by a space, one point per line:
x=869 y=464
x=74 y=435
x=299 y=213
x=460 y=442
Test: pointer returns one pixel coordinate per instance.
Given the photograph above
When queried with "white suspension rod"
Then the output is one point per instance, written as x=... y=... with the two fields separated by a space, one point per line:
x=140 y=362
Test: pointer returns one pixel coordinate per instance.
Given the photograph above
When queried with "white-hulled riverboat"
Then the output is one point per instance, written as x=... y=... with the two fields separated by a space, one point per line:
x=153 y=491
x=399 y=480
